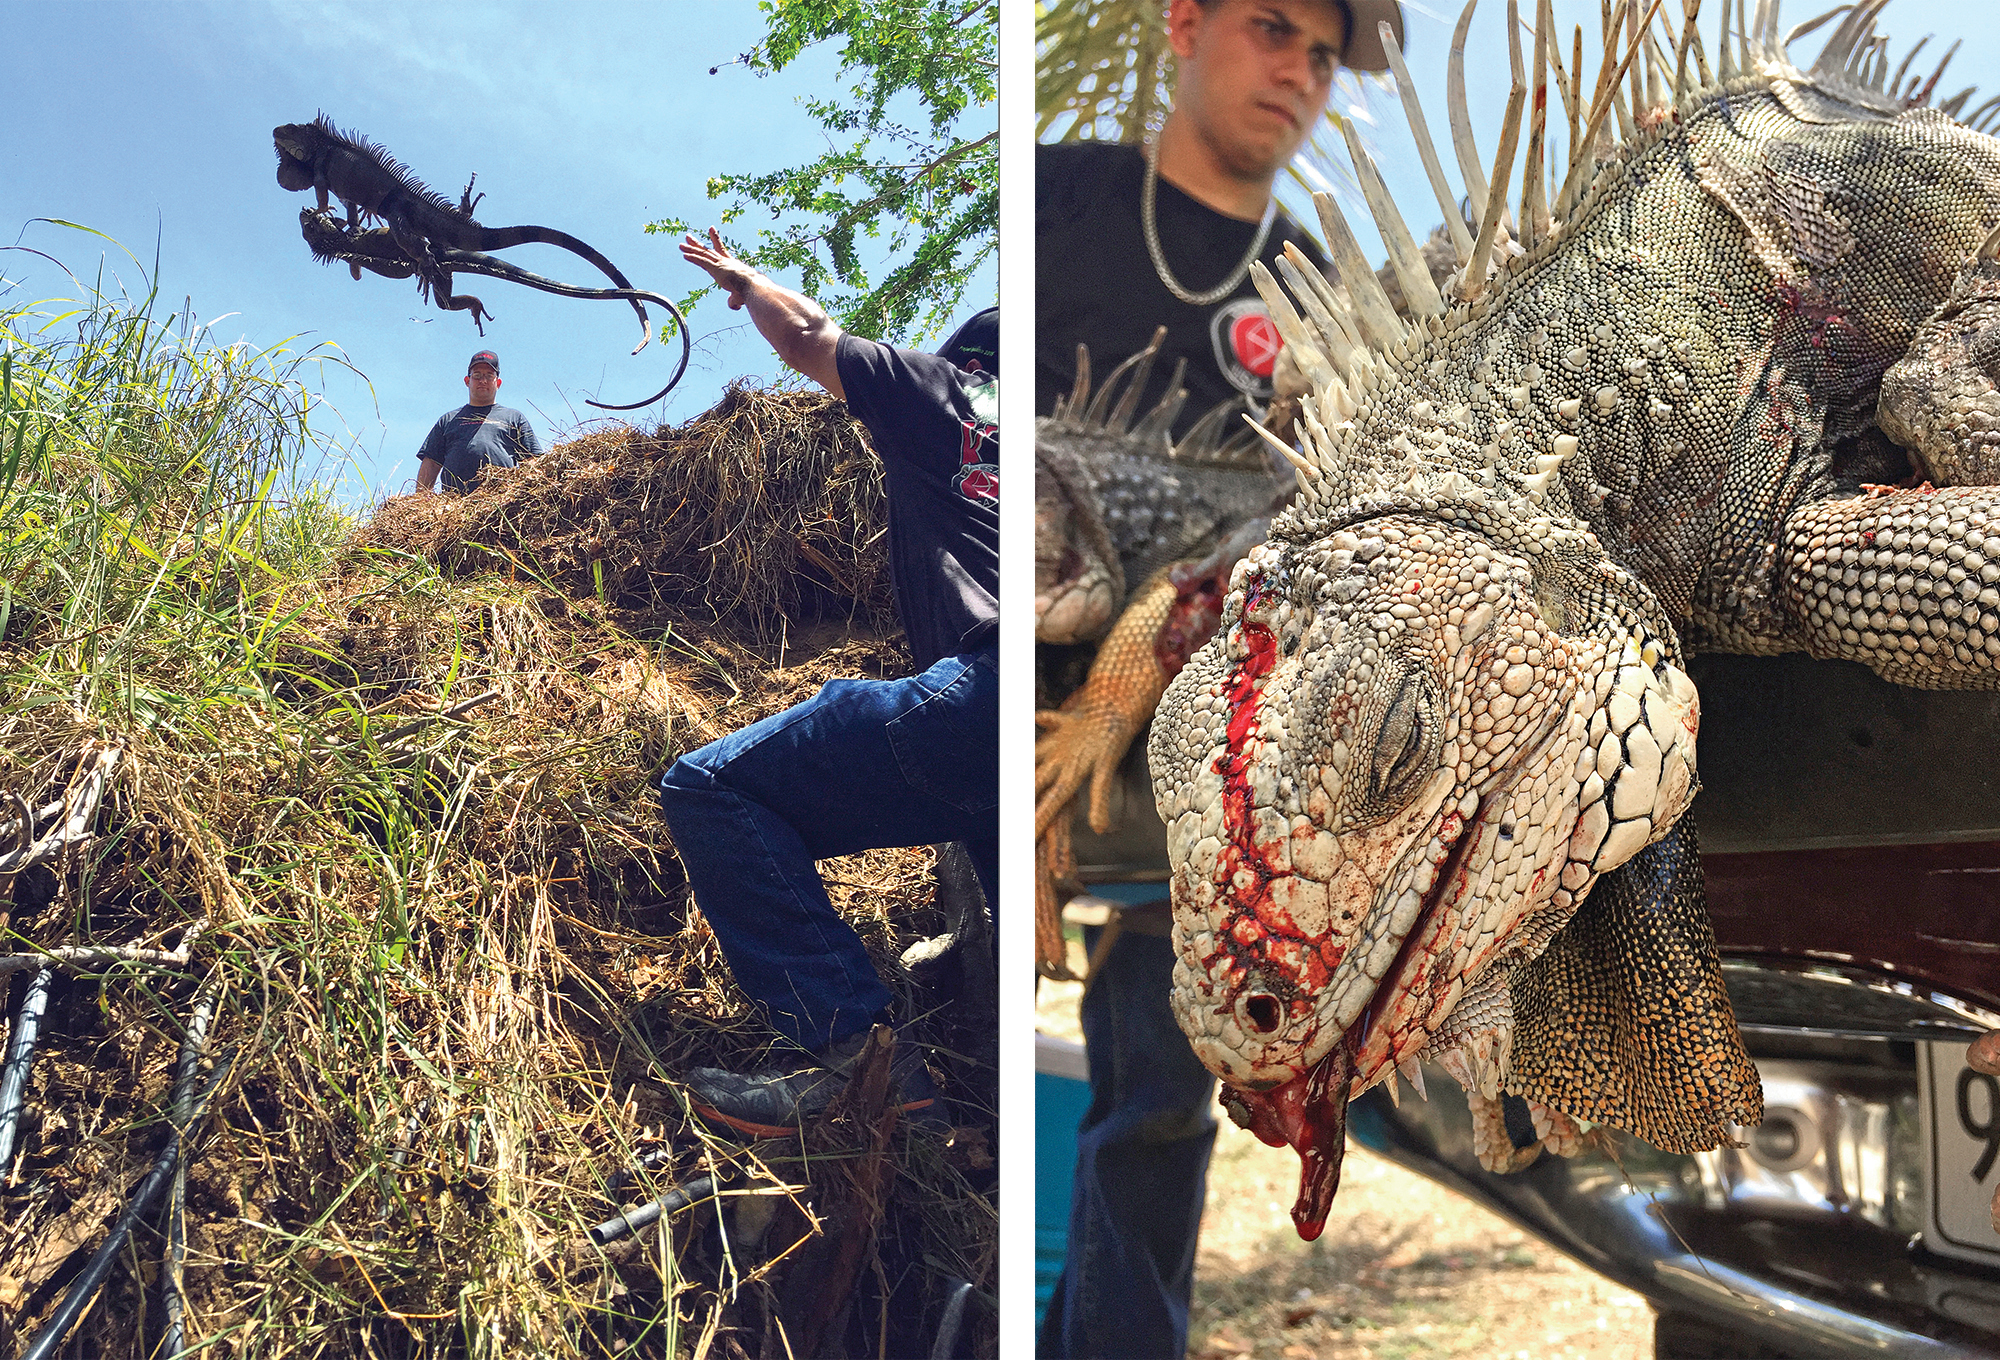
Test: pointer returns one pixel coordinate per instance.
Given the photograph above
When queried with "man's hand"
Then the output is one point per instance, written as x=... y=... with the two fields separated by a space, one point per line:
x=730 y=274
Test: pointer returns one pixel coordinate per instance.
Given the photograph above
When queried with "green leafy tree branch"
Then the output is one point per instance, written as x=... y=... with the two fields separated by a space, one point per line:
x=930 y=193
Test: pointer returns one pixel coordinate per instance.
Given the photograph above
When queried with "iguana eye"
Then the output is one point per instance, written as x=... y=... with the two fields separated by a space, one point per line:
x=1402 y=744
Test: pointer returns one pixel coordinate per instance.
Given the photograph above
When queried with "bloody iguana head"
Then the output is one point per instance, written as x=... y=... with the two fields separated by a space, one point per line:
x=1428 y=721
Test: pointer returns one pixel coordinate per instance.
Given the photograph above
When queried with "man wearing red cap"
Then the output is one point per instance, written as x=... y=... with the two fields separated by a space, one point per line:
x=464 y=441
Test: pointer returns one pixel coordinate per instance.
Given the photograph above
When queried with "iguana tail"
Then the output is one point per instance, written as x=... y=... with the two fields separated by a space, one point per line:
x=499 y=238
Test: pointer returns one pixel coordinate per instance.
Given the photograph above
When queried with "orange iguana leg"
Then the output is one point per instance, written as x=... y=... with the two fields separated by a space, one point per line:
x=1086 y=738
x=1083 y=741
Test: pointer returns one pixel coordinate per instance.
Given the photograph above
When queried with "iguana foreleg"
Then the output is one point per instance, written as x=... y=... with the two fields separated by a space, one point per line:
x=1907 y=582
x=1083 y=741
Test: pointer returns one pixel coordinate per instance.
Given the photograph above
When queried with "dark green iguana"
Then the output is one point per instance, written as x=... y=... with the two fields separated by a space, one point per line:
x=1424 y=790
x=376 y=249
x=369 y=182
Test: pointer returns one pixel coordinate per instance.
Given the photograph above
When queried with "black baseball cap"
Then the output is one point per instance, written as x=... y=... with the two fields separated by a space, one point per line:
x=1364 y=40
x=978 y=338
x=485 y=356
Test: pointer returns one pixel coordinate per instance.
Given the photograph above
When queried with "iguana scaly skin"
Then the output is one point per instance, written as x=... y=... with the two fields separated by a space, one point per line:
x=1424 y=789
x=370 y=183
x=1115 y=502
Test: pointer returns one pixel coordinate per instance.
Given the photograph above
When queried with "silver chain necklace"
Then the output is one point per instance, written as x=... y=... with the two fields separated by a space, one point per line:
x=1151 y=227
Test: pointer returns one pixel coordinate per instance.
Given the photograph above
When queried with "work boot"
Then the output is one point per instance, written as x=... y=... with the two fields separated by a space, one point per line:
x=773 y=1104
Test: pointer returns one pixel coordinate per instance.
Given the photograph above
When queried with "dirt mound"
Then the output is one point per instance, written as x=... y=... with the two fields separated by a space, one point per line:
x=407 y=805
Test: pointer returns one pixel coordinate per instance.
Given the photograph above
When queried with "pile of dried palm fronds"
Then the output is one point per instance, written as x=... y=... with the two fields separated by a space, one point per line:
x=385 y=810
x=763 y=512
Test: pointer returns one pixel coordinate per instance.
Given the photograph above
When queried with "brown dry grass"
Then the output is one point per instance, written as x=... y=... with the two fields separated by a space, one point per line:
x=762 y=512
x=1405 y=1268
x=457 y=960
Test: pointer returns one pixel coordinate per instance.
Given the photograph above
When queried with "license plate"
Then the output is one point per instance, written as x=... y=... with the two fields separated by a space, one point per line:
x=1961 y=1131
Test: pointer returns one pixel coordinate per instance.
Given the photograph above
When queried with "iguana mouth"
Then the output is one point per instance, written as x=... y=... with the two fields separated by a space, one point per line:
x=1309 y=1112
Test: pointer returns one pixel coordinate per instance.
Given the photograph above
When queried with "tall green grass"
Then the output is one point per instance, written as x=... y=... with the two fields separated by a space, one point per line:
x=159 y=502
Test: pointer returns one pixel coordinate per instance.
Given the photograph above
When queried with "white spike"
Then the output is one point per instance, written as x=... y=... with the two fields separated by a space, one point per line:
x=1503 y=165
x=1813 y=25
x=1903 y=69
x=1725 y=51
x=1573 y=108
x=1878 y=63
x=1656 y=66
x=1380 y=325
x=1413 y=1072
x=1534 y=205
x=1614 y=41
x=1304 y=345
x=1419 y=292
x=1766 y=39
x=1923 y=96
x=1606 y=101
x=1454 y=221
x=1336 y=309
x=1305 y=469
x=1462 y=144
x=1690 y=10
x=1336 y=340
x=1635 y=28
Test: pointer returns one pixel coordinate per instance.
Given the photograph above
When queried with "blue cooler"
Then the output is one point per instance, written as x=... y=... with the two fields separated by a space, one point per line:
x=1062 y=1094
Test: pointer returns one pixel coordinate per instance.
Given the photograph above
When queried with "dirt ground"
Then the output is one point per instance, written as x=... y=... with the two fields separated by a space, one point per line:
x=1405 y=1269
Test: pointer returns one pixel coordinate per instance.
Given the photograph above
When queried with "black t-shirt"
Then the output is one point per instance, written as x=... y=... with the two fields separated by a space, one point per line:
x=467 y=439
x=935 y=428
x=1095 y=283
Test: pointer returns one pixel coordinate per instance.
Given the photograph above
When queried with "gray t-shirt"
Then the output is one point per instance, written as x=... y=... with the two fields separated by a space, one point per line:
x=467 y=439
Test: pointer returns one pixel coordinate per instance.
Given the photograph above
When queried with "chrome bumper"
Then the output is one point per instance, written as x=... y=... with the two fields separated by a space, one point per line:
x=1810 y=1239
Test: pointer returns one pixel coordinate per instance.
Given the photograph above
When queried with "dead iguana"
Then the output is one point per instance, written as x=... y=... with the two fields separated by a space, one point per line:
x=369 y=182
x=1118 y=502
x=1425 y=788
x=377 y=250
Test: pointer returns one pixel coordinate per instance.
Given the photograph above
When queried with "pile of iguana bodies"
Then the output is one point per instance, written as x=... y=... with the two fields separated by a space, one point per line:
x=1425 y=789
x=425 y=235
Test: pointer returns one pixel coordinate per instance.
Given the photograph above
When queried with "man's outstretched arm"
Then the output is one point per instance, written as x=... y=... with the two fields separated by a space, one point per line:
x=804 y=336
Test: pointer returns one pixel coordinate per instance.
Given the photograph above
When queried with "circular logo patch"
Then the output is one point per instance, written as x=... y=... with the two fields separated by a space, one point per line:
x=1246 y=345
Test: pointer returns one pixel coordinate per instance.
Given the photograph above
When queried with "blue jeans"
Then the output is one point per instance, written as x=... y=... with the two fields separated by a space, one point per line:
x=862 y=765
x=1141 y=1168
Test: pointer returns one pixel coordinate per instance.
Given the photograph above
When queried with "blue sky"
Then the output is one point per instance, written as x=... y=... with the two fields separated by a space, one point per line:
x=151 y=122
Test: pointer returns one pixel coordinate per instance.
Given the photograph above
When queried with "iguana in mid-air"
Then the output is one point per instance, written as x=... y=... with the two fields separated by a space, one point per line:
x=1425 y=788
x=427 y=237
x=370 y=183
x=1118 y=503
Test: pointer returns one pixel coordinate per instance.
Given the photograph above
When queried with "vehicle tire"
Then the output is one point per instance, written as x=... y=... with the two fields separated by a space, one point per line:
x=1683 y=1336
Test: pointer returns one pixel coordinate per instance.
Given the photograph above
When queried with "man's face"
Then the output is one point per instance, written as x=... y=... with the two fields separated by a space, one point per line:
x=1254 y=75
x=482 y=382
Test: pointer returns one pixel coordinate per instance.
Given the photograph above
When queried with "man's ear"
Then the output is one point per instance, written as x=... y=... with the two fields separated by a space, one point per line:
x=1184 y=18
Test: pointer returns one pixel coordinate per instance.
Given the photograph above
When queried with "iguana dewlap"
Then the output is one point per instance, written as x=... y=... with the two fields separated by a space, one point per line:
x=1424 y=790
